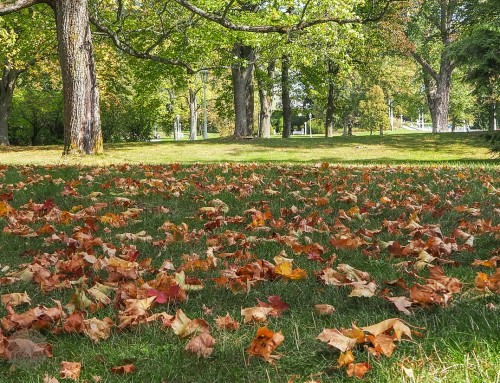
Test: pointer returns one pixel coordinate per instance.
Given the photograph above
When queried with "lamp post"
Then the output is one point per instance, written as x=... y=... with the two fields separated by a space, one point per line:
x=310 y=125
x=204 y=80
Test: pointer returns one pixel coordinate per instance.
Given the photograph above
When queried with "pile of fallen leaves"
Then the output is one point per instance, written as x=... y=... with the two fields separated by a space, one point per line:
x=81 y=244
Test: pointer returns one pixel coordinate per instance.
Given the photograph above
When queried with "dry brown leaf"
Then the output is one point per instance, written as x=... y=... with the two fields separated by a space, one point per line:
x=324 y=309
x=256 y=314
x=70 y=370
x=335 y=338
x=201 y=345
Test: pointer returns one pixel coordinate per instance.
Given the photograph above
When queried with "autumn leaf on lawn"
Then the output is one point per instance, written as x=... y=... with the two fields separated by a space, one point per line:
x=227 y=322
x=70 y=370
x=97 y=329
x=264 y=343
x=15 y=299
x=345 y=359
x=453 y=285
x=363 y=289
x=284 y=267
x=402 y=303
x=136 y=311
x=74 y=322
x=201 y=345
x=397 y=325
x=276 y=304
x=484 y=282
x=122 y=370
x=358 y=370
x=324 y=309
x=40 y=317
x=24 y=346
x=185 y=327
x=335 y=338
x=256 y=314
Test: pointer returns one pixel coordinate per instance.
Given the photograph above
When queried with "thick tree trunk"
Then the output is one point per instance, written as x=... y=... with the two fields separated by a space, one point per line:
x=193 y=117
x=285 y=96
x=7 y=86
x=437 y=88
x=82 y=120
x=265 y=99
x=242 y=76
x=332 y=71
x=250 y=101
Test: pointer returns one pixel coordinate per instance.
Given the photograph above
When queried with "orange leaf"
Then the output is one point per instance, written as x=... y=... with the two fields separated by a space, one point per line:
x=125 y=369
x=358 y=370
x=70 y=370
x=265 y=342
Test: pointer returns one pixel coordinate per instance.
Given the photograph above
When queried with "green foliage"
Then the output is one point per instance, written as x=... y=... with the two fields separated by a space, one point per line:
x=373 y=109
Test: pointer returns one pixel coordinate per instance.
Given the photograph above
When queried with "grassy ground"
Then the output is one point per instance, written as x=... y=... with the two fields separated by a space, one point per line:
x=399 y=147
x=459 y=341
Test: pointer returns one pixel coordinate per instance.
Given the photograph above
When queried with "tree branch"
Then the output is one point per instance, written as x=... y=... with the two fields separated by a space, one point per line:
x=282 y=29
x=135 y=53
x=11 y=6
x=425 y=65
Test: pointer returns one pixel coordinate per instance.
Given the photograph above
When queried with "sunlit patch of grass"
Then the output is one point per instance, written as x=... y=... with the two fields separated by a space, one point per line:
x=392 y=148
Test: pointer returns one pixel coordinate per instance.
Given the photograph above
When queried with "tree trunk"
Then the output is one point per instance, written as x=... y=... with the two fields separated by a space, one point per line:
x=265 y=99
x=82 y=120
x=250 y=101
x=242 y=76
x=332 y=71
x=193 y=117
x=437 y=88
x=285 y=96
x=7 y=86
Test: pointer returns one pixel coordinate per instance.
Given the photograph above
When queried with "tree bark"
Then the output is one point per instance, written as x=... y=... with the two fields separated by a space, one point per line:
x=264 y=83
x=193 y=117
x=437 y=90
x=285 y=96
x=82 y=120
x=332 y=71
x=242 y=76
x=7 y=86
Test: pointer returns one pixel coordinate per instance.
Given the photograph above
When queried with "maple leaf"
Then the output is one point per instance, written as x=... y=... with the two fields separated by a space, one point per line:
x=264 y=344
x=201 y=345
x=363 y=289
x=185 y=327
x=397 y=325
x=358 y=370
x=284 y=268
x=227 y=322
x=15 y=299
x=337 y=339
x=122 y=370
x=23 y=346
x=453 y=285
x=256 y=314
x=136 y=311
x=345 y=359
x=74 y=322
x=382 y=343
x=70 y=370
x=97 y=329
x=324 y=309
x=402 y=303
x=276 y=304
x=49 y=379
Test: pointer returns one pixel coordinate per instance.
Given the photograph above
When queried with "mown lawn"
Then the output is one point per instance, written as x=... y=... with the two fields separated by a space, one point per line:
x=63 y=226
x=391 y=148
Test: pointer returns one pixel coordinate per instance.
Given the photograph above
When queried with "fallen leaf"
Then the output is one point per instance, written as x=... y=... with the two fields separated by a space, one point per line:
x=324 y=309
x=70 y=370
x=358 y=370
x=122 y=370
x=264 y=344
x=201 y=345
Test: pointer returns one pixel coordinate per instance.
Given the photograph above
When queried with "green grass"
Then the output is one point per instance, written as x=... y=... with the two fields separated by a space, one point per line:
x=398 y=147
x=459 y=343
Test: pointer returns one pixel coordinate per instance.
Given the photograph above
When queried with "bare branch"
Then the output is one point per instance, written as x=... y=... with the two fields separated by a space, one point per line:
x=11 y=6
